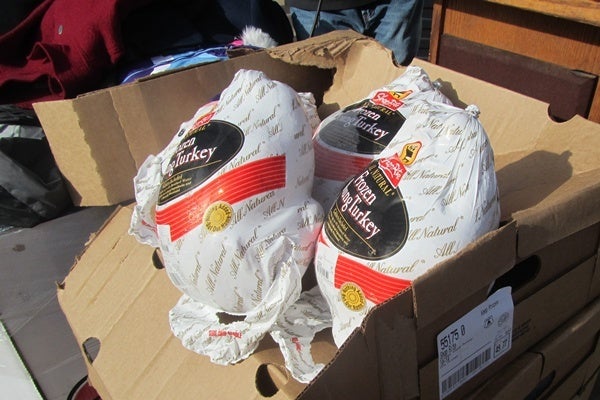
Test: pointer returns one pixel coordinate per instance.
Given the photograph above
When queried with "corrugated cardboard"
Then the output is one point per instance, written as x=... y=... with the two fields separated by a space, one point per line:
x=579 y=384
x=549 y=178
x=589 y=389
x=551 y=365
x=595 y=289
x=117 y=296
x=534 y=318
x=580 y=347
x=528 y=276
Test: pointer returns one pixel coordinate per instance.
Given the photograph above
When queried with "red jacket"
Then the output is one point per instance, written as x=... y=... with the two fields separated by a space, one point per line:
x=63 y=48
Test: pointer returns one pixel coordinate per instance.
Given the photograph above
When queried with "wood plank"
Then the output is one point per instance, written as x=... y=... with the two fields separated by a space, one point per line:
x=585 y=11
x=549 y=39
x=567 y=92
x=529 y=28
x=437 y=21
x=563 y=42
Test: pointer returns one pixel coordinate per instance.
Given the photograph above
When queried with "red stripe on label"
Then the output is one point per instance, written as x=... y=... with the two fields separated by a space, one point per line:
x=234 y=186
x=335 y=165
x=376 y=286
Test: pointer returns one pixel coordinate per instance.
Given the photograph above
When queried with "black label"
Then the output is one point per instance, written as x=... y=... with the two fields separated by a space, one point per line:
x=369 y=219
x=363 y=128
x=200 y=155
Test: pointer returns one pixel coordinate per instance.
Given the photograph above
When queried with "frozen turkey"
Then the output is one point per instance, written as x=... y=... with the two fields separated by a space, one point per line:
x=430 y=192
x=228 y=202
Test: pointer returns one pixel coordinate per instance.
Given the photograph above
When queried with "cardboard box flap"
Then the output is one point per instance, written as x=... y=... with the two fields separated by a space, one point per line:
x=87 y=142
x=116 y=297
x=344 y=52
x=378 y=360
x=553 y=190
x=354 y=374
x=109 y=300
x=513 y=122
x=572 y=207
x=391 y=334
x=153 y=109
x=320 y=51
x=468 y=272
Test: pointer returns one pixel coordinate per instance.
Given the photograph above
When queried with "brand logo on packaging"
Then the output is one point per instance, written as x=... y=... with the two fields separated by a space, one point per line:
x=206 y=117
x=218 y=216
x=352 y=296
x=203 y=120
x=393 y=169
x=409 y=153
x=390 y=99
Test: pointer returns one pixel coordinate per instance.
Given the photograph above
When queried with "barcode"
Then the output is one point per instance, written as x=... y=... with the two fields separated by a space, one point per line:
x=466 y=371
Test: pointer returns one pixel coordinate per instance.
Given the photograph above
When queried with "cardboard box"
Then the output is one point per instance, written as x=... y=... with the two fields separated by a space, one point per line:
x=561 y=363
x=527 y=277
x=535 y=317
x=581 y=382
x=574 y=386
x=117 y=302
x=549 y=178
x=545 y=265
x=590 y=389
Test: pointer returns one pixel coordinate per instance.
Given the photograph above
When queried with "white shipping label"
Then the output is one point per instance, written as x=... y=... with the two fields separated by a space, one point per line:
x=475 y=341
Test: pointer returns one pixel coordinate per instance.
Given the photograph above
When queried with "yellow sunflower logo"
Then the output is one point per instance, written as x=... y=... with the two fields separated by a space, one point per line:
x=352 y=296
x=218 y=216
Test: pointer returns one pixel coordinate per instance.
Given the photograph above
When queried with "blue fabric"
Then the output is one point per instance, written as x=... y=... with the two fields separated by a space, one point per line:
x=396 y=24
x=166 y=63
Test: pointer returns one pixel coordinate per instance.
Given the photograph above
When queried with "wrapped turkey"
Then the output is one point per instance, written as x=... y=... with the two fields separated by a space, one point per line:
x=349 y=139
x=228 y=202
x=430 y=192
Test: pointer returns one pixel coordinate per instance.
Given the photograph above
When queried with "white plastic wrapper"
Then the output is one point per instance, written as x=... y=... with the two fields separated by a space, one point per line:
x=431 y=192
x=296 y=329
x=349 y=139
x=228 y=202
x=147 y=181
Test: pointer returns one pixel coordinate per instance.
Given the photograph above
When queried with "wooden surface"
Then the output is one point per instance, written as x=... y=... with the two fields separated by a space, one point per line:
x=585 y=11
x=560 y=41
x=567 y=93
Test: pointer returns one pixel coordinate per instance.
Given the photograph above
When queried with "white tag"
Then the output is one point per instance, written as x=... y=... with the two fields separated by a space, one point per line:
x=475 y=341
